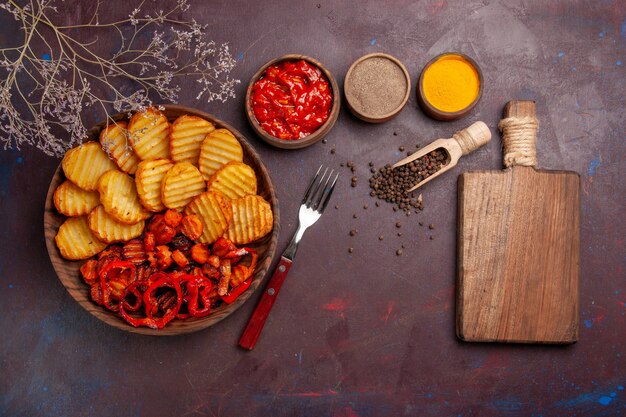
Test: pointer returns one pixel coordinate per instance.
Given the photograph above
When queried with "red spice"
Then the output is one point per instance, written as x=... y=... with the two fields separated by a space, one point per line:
x=292 y=99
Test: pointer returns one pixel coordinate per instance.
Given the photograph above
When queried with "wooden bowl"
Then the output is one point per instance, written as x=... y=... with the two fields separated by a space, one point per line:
x=363 y=115
x=68 y=271
x=313 y=137
x=434 y=112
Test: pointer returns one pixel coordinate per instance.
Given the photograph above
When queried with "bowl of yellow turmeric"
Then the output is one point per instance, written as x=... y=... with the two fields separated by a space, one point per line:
x=449 y=86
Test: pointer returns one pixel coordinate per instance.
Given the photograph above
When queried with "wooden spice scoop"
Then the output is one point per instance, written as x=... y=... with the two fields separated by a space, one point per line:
x=461 y=143
x=518 y=245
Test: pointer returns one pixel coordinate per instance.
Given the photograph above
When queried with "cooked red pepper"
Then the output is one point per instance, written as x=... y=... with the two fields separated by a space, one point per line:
x=292 y=99
x=236 y=292
x=242 y=272
x=149 y=300
x=134 y=289
x=131 y=290
x=196 y=296
x=115 y=276
x=89 y=271
x=157 y=281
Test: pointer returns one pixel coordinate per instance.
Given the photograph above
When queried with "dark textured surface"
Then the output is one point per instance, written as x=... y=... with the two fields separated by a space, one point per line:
x=368 y=333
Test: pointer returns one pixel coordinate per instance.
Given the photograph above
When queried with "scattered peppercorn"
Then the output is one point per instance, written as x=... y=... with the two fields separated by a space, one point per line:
x=332 y=151
x=432 y=238
x=431 y=226
x=395 y=134
x=371 y=164
x=399 y=252
x=390 y=184
x=365 y=206
x=324 y=141
x=381 y=237
x=401 y=148
x=336 y=206
x=420 y=223
x=377 y=204
x=354 y=216
x=399 y=234
x=398 y=225
x=353 y=232
x=350 y=250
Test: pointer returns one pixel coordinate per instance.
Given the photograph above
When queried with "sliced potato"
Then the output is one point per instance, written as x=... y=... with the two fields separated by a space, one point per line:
x=186 y=136
x=76 y=241
x=71 y=200
x=84 y=164
x=180 y=185
x=148 y=134
x=109 y=230
x=252 y=219
x=148 y=179
x=119 y=197
x=214 y=211
x=115 y=143
x=218 y=148
x=234 y=180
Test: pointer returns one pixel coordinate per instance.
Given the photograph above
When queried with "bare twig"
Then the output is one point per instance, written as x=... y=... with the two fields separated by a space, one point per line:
x=42 y=93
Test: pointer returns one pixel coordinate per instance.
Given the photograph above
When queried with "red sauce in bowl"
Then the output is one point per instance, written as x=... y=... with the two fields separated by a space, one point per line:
x=292 y=99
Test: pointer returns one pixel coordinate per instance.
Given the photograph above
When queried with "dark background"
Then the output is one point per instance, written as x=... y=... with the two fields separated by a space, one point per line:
x=368 y=333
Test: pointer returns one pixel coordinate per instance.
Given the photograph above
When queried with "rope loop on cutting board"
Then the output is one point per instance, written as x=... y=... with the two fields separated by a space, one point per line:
x=520 y=139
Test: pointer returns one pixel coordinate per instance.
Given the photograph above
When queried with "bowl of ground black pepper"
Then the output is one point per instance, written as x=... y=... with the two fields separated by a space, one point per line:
x=292 y=101
x=377 y=87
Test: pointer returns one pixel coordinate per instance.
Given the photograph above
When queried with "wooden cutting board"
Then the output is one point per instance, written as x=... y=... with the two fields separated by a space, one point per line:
x=518 y=247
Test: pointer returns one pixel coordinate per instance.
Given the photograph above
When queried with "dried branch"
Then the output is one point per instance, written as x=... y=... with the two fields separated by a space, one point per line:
x=46 y=93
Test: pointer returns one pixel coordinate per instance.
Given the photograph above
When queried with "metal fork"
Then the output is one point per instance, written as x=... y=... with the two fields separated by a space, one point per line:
x=313 y=205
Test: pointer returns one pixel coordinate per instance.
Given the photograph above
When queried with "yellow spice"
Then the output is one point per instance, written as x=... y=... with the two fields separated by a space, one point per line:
x=451 y=83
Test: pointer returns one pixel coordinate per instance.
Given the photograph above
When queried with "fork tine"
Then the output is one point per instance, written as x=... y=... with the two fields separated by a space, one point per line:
x=318 y=198
x=316 y=188
x=327 y=193
x=308 y=190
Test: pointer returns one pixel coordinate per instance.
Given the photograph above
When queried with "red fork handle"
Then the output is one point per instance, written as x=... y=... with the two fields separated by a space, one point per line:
x=262 y=310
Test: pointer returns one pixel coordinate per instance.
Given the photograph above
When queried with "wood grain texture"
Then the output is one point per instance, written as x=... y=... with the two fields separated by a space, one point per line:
x=518 y=253
x=518 y=256
x=68 y=271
